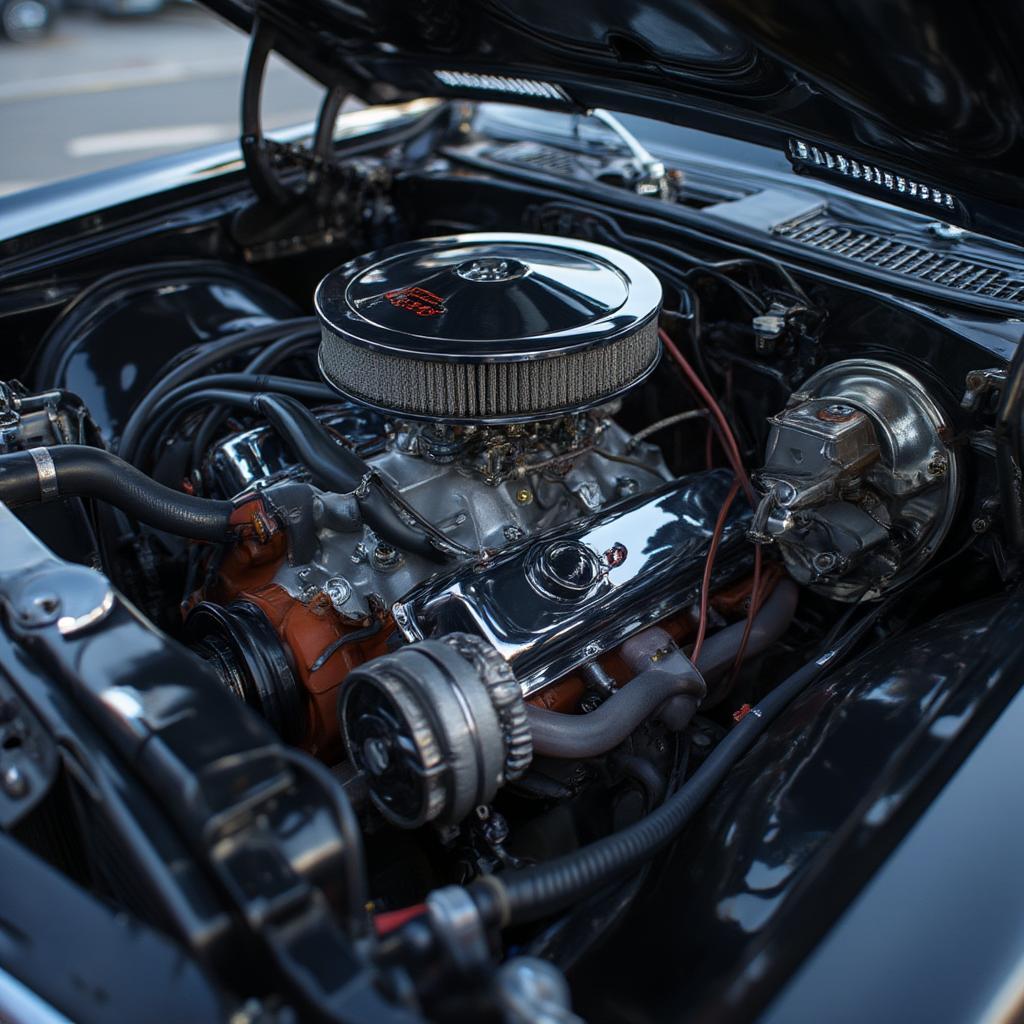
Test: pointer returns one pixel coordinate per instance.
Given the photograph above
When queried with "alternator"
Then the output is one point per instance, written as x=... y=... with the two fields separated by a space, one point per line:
x=437 y=727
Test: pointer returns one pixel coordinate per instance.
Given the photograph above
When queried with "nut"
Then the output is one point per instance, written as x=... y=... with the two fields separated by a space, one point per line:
x=337 y=588
x=385 y=557
x=938 y=464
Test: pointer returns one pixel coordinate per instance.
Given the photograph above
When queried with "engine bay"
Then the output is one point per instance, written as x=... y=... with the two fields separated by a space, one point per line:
x=489 y=535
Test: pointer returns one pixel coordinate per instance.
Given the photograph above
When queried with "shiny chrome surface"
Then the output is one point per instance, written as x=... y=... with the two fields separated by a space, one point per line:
x=488 y=328
x=257 y=455
x=860 y=486
x=650 y=553
x=445 y=298
x=474 y=510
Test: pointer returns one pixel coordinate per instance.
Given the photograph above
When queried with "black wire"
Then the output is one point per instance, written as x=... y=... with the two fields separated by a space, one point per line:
x=267 y=359
x=354 y=637
x=193 y=362
x=646 y=245
x=186 y=396
x=797 y=290
x=914 y=583
x=655 y=224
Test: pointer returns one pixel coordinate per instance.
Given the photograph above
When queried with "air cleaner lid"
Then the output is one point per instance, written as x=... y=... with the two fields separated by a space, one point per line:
x=483 y=300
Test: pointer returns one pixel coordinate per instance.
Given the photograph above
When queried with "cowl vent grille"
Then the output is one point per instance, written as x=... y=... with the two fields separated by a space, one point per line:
x=938 y=267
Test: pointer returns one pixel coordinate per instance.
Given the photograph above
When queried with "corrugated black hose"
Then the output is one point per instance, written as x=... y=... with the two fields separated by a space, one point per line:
x=525 y=895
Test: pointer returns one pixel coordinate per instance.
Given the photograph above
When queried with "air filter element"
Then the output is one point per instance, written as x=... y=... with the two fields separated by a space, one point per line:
x=488 y=328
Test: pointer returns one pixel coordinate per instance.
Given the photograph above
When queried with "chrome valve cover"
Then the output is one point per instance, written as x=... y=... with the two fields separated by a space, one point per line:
x=571 y=594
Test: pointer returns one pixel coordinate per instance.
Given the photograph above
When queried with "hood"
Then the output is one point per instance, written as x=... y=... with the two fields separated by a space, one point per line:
x=898 y=91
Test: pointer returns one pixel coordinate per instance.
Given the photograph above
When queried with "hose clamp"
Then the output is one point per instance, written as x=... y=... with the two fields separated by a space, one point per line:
x=46 y=471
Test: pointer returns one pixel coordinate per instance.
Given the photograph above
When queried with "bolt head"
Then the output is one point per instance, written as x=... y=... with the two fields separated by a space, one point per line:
x=14 y=782
x=824 y=562
x=376 y=755
x=337 y=588
x=938 y=465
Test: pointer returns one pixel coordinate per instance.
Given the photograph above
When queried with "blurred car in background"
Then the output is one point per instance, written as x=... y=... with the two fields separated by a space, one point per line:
x=26 y=21
x=23 y=21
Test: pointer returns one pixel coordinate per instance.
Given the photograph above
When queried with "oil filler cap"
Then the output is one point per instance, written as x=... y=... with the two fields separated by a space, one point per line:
x=563 y=569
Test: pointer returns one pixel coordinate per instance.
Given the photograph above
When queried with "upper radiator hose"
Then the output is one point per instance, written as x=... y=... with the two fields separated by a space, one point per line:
x=78 y=471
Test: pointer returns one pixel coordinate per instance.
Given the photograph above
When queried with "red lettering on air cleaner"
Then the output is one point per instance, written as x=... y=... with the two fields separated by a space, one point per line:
x=417 y=300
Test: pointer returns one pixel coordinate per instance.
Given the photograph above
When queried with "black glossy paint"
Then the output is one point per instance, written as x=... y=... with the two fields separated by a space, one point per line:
x=937 y=934
x=56 y=936
x=109 y=344
x=262 y=827
x=930 y=90
x=805 y=818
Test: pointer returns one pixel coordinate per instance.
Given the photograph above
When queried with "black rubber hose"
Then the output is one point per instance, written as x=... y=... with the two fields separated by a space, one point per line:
x=79 y=471
x=595 y=733
x=264 y=360
x=197 y=393
x=332 y=466
x=337 y=468
x=525 y=895
x=200 y=359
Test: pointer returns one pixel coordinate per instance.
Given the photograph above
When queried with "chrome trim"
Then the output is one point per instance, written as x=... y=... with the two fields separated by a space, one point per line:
x=18 y=1003
x=665 y=535
x=47 y=473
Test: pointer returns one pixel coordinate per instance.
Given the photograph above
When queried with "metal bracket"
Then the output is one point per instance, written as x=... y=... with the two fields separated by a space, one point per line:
x=262 y=154
x=651 y=177
x=979 y=385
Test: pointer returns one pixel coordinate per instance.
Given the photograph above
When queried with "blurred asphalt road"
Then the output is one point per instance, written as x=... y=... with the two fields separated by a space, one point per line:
x=101 y=92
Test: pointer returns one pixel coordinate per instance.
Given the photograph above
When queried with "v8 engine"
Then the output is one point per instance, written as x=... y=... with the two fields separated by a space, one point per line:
x=469 y=554
x=470 y=479
x=470 y=485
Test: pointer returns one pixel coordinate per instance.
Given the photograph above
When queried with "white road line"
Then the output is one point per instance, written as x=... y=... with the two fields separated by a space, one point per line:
x=182 y=136
x=178 y=137
x=118 y=78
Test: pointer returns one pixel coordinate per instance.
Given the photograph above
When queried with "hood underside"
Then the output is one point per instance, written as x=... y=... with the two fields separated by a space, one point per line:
x=900 y=90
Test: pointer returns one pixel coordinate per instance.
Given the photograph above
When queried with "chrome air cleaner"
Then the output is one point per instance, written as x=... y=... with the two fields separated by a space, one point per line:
x=488 y=328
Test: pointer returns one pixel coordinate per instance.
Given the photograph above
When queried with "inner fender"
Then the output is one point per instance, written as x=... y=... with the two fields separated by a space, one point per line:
x=797 y=822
